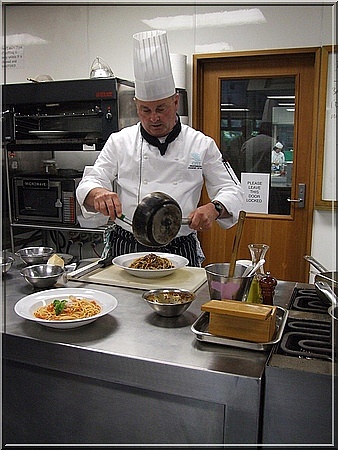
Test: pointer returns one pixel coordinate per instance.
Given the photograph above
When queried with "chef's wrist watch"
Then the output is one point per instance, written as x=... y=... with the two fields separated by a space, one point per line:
x=219 y=208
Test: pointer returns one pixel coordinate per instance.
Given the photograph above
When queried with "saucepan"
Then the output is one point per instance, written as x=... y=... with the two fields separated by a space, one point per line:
x=156 y=220
x=326 y=291
x=330 y=277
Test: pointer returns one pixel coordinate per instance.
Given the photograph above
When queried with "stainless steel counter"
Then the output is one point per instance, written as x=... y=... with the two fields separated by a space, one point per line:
x=129 y=377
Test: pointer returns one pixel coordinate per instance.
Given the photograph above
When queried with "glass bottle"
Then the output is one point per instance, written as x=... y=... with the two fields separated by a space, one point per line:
x=257 y=252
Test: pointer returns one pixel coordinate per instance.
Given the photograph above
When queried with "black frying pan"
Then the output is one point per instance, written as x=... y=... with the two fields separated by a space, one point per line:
x=156 y=220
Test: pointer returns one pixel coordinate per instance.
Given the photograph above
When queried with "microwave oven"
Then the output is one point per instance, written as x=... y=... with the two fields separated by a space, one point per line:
x=45 y=200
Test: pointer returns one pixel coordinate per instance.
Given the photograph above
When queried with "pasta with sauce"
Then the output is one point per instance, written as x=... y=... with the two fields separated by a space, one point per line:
x=152 y=262
x=75 y=308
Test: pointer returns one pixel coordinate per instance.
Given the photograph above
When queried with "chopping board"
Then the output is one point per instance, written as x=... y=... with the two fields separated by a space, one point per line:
x=190 y=278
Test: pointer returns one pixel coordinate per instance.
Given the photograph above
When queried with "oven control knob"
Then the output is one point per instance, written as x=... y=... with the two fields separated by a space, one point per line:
x=109 y=114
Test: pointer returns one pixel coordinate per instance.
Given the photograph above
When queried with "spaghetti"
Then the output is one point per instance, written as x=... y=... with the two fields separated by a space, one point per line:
x=75 y=308
x=152 y=261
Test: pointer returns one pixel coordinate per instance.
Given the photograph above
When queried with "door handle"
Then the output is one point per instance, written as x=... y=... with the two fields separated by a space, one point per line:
x=301 y=196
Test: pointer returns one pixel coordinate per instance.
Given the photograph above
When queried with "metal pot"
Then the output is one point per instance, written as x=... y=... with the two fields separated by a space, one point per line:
x=333 y=311
x=330 y=277
x=157 y=220
x=325 y=292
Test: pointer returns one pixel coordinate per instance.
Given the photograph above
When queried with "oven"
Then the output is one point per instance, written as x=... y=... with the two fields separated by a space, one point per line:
x=66 y=115
x=299 y=375
x=51 y=131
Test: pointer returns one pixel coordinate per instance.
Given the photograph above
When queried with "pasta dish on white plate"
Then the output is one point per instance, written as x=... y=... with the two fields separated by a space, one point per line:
x=152 y=262
x=72 y=308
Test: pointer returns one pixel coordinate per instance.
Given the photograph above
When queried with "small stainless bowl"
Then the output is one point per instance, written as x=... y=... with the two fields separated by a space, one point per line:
x=42 y=275
x=6 y=263
x=169 y=302
x=35 y=255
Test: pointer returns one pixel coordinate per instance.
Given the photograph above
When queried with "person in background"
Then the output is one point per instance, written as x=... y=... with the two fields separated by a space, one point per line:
x=160 y=154
x=277 y=158
x=256 y=151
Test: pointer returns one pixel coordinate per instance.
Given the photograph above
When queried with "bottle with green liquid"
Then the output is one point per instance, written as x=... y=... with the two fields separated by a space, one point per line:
x=257 y=252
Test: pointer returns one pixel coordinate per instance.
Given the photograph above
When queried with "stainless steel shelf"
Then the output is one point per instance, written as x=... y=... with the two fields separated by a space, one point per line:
x=59 y=227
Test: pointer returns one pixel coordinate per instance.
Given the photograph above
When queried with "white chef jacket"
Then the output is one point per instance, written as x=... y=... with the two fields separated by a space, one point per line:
x=277 y=158
x=139 y=169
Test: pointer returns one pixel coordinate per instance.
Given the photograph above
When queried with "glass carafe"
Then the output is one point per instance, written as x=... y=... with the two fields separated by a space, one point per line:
x=257 y=252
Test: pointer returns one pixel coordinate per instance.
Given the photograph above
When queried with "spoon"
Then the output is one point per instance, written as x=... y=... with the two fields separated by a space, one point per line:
x=249 y=271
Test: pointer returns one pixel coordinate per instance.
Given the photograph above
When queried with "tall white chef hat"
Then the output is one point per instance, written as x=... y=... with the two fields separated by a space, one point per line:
x=279 y=145
x=152 y=67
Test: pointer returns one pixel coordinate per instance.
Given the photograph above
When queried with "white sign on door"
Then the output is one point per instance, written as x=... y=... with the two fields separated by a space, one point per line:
x=256 y=192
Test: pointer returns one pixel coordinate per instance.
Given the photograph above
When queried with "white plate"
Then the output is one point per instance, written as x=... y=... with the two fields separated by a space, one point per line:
x=26 y=306
x=124 y=262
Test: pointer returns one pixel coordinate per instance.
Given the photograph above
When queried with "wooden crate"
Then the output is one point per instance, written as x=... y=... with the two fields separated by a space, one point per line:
x=239 y=320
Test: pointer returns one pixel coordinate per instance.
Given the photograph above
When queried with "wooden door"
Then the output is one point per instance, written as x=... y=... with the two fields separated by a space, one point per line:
x=288 y=233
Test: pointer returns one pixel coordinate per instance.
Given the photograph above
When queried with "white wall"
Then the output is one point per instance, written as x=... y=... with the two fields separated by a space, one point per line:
x=73 y=35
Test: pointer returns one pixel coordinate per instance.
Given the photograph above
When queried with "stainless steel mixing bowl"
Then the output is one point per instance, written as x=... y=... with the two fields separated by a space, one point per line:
x=169 y=302
x=6 y=262
x=35 y=255
x=42 y=275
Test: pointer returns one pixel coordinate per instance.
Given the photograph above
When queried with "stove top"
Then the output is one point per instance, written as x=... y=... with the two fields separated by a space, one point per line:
x=308 y=331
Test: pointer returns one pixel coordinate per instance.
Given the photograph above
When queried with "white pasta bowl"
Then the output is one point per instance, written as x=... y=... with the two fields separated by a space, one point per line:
x=124 y=262
x=26 y=307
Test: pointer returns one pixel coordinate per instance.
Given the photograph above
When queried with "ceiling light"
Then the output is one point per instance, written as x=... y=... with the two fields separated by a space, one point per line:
x=277 y=97
x=217 y=19
x=23 y=39
x=235 y=109
x=212 y=48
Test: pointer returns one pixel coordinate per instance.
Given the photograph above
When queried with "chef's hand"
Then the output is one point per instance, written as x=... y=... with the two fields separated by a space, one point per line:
x=203 y=217
x=105 y=202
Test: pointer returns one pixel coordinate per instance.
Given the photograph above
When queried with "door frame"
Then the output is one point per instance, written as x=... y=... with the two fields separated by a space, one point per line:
x=202 y=108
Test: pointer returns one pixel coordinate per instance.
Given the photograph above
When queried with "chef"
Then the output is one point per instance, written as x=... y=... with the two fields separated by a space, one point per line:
x=277 y=158
x=159 y=154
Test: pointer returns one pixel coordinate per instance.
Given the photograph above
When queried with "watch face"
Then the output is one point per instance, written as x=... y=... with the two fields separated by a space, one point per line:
x=218 y=207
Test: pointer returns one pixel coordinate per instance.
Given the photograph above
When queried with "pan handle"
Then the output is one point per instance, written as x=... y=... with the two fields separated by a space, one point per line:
x=325 y=288
x=184 y=221
x=315 y=263
x=125 y=219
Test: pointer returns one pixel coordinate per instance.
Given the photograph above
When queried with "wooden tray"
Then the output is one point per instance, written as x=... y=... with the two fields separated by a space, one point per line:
x=190 y=278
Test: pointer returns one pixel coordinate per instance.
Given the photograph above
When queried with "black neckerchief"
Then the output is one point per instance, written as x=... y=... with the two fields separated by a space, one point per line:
x=162 y=146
